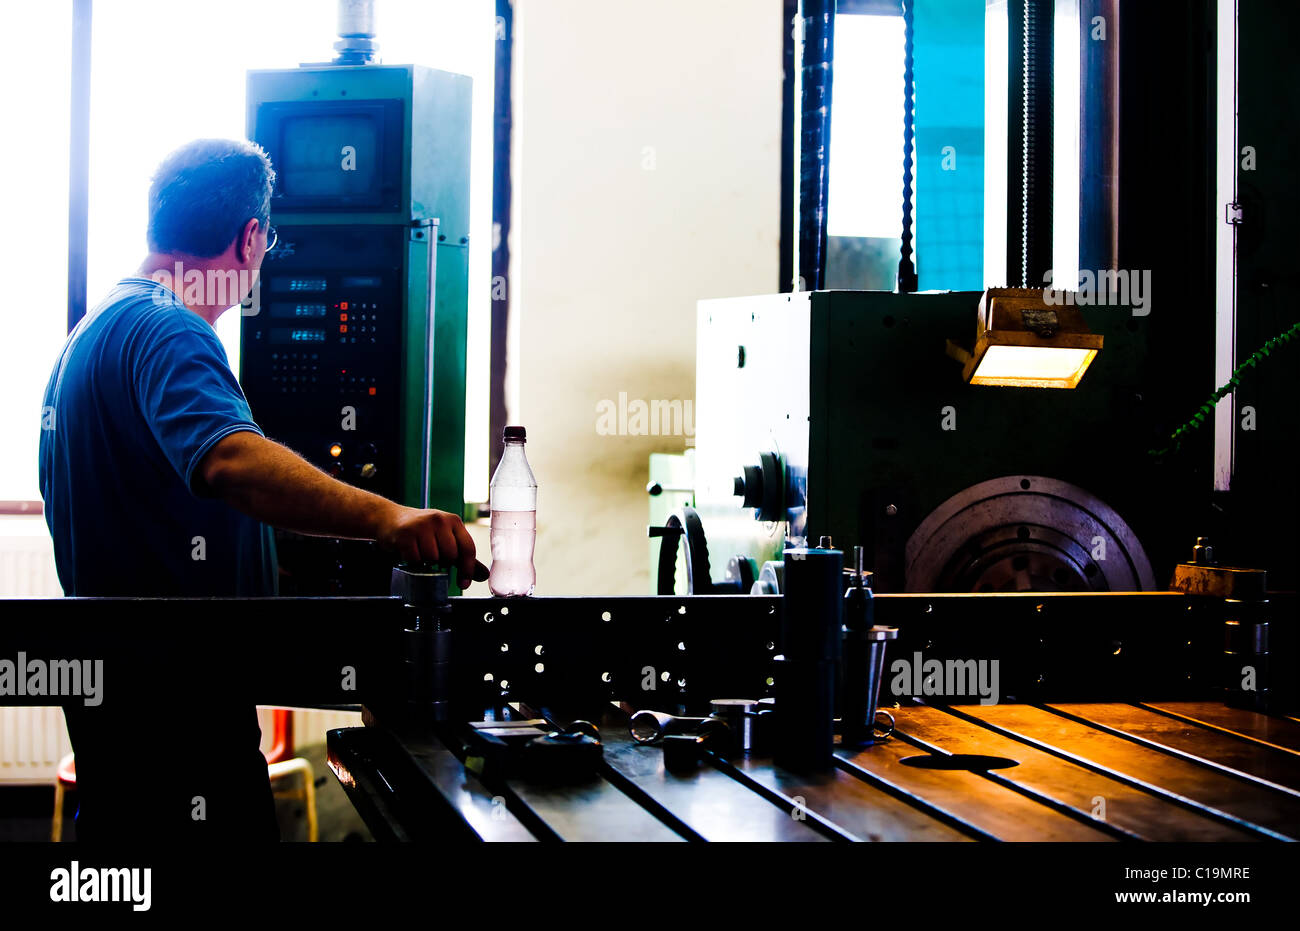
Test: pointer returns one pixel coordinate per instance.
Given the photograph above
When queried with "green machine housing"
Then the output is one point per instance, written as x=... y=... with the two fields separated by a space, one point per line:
x=840 y=413
x=353 y=345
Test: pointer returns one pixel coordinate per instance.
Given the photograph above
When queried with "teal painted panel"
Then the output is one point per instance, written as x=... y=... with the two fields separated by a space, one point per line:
x=949 y=119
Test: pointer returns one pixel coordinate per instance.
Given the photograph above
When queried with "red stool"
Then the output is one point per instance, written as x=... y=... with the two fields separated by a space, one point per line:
x=65 y=780
x=281 y=764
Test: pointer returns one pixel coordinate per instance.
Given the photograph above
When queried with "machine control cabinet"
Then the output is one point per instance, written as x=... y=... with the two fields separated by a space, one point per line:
x=352 y=347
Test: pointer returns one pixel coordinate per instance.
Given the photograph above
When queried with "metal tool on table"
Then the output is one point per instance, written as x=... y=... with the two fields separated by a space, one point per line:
x=733 y=727
x=647 y=727
x=864 y=662
x=533 y=750
x=426 y=641
x=811 y=642
x=750 y=722
x=685 y=740
x=1247 y=655
x=684 y=752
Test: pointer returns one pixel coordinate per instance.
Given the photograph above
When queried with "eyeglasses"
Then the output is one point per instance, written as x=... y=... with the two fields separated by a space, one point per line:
x=272 y=237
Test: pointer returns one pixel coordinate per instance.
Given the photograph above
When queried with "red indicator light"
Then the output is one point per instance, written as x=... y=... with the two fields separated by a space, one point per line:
x=343 y=317
x=343 y=305
x=372 y=390
x=343 y=328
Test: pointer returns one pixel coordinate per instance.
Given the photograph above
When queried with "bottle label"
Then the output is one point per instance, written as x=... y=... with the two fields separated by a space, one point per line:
x=514 y=499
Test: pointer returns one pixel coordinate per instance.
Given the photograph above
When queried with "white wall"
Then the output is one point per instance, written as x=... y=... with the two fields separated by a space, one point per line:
x=646 y=177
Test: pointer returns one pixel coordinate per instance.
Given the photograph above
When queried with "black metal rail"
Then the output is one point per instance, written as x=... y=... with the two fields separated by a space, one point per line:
x=577 y=654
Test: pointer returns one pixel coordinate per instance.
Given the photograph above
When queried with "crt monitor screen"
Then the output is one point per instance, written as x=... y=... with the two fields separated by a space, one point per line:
x=329 y=155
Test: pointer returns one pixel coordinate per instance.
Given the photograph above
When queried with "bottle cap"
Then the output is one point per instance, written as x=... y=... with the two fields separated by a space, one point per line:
x=516 y=433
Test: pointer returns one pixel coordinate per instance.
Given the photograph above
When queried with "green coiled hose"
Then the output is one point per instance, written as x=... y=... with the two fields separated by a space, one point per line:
x=1206 y=409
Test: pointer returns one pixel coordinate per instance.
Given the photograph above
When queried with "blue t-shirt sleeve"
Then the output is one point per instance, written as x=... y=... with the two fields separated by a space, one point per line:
x=188 y=395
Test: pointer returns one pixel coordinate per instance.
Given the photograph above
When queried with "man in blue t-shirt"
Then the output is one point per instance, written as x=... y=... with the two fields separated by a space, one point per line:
x=158 y=482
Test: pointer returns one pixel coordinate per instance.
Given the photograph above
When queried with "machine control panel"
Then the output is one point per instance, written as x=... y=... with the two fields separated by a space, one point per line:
x=321 y=358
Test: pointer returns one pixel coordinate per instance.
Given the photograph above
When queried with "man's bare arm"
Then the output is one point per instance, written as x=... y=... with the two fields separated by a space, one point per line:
x=277 y=486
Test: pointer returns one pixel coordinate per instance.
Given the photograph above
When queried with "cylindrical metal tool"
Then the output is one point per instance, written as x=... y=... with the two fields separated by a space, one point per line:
x=1246 y=653
x=648 y=726
x=810 y=640
x=684 y=740
x=877 y=638
x=859 y=616
x=427 y=641
x=864 y=662
x=739 y=715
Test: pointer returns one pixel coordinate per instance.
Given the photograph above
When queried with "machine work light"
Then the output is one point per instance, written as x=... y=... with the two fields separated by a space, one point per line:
x=1022 y=341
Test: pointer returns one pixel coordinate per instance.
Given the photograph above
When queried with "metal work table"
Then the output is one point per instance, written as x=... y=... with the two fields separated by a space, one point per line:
x=1097 y=757
x=1170 y=771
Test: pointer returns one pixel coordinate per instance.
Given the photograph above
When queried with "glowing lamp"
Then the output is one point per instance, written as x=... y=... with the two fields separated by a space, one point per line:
x=1022 y=341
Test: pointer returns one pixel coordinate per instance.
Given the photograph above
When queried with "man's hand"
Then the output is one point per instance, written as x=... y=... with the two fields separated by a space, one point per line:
x=431 y=537
x=280 y=488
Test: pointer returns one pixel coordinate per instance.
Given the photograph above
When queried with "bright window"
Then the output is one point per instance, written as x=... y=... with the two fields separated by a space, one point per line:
x=34 y=236
x=866 y=183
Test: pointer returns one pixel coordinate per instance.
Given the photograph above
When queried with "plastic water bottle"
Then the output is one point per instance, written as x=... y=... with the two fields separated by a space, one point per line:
x=513 y=501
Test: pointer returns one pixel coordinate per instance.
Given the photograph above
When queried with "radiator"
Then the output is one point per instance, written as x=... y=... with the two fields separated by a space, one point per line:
x=32 y=740
x=27 y=559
